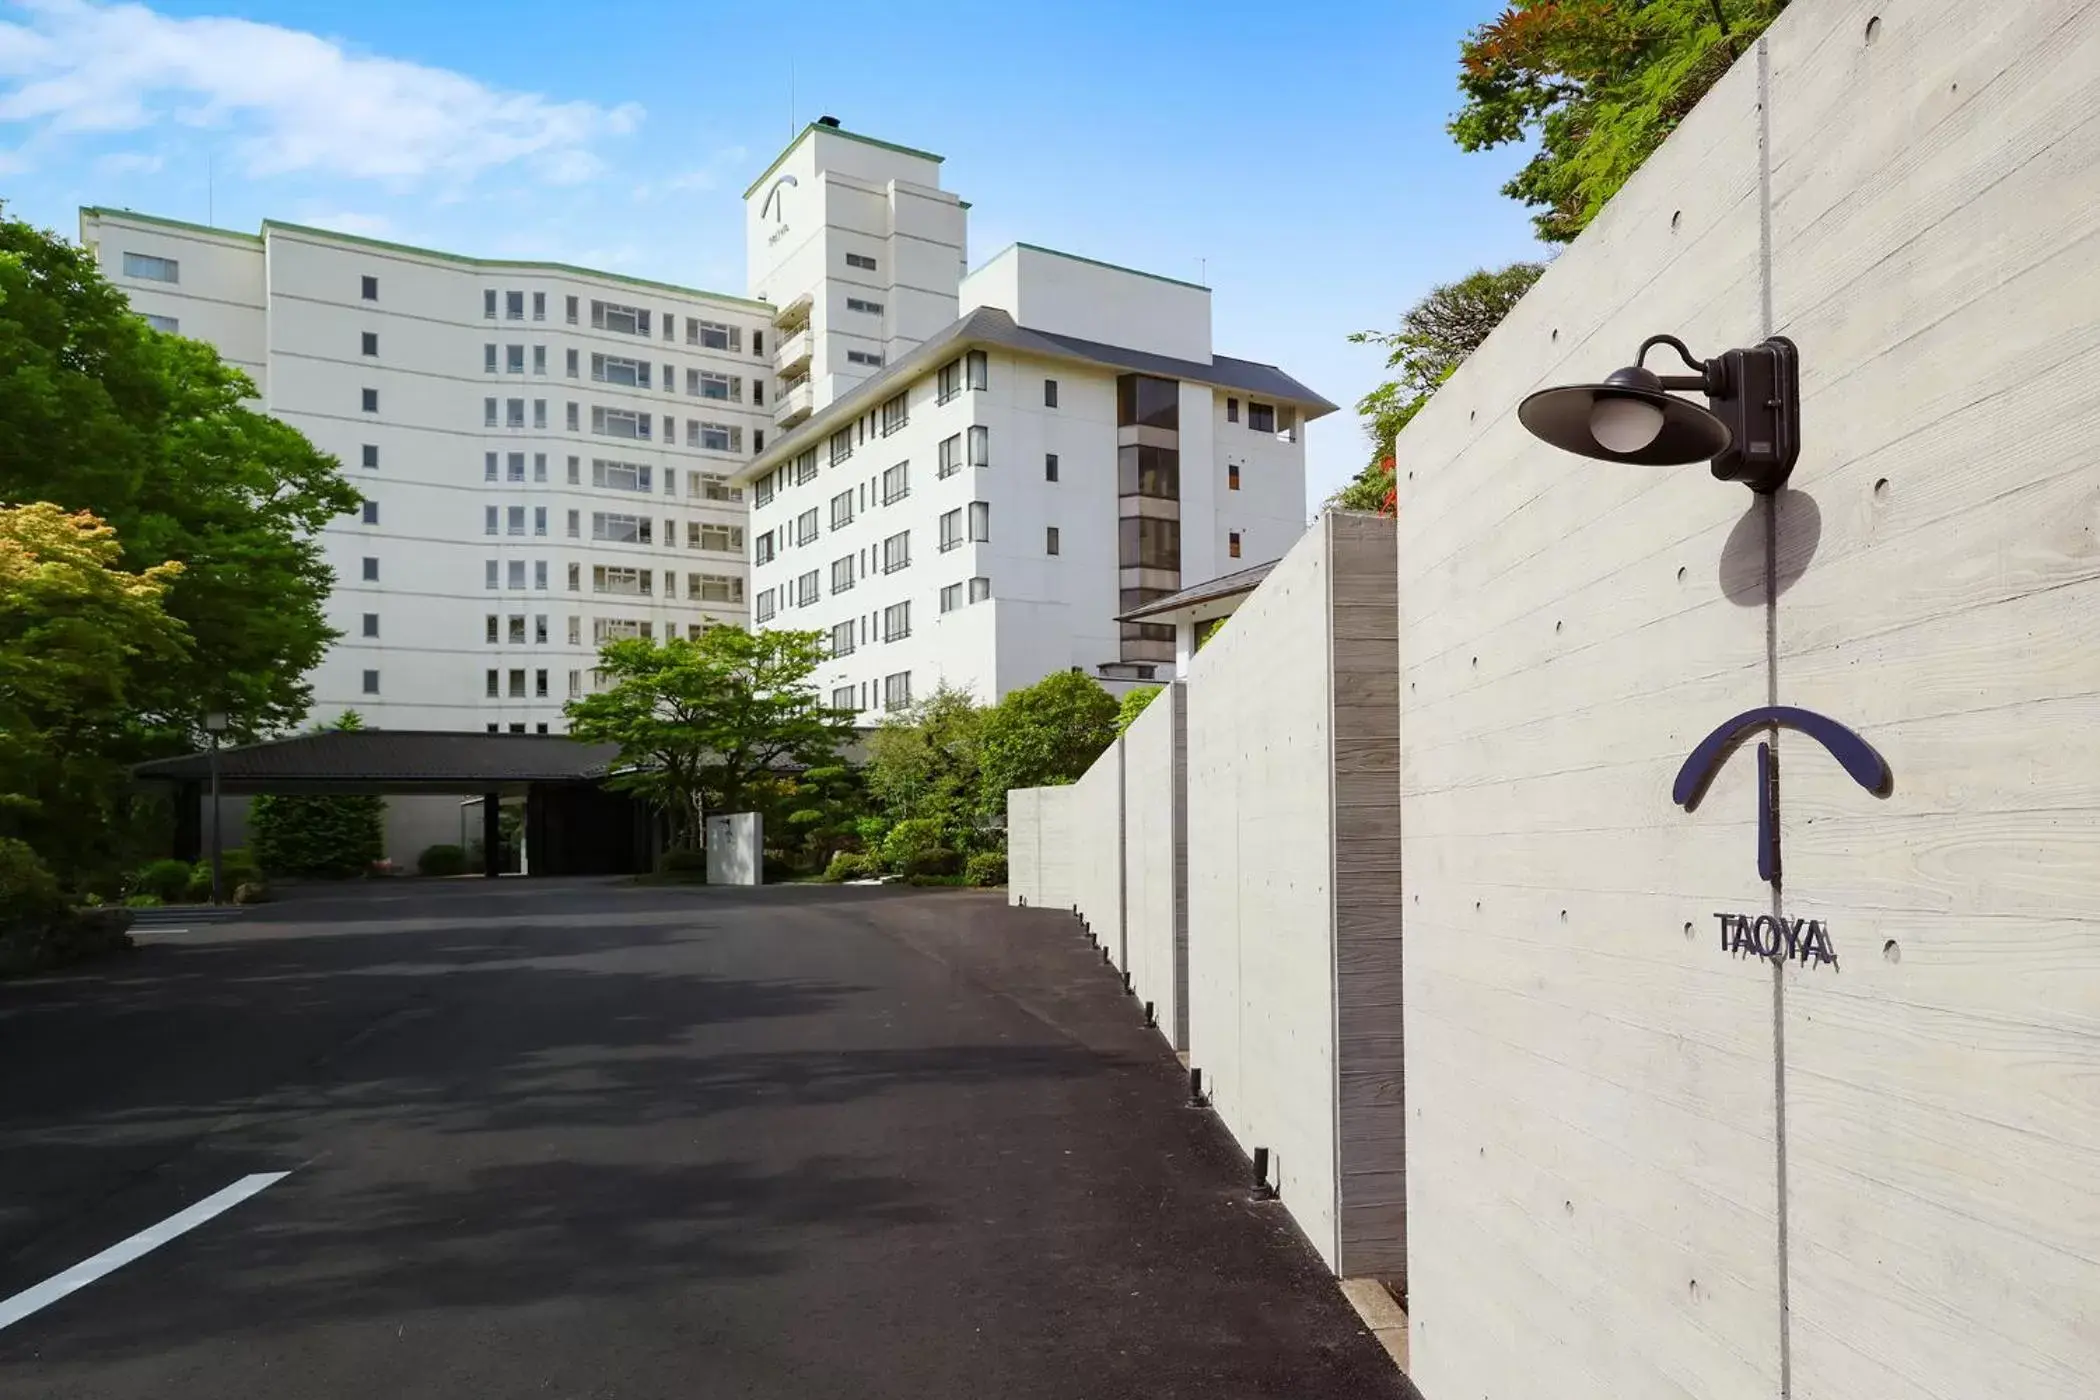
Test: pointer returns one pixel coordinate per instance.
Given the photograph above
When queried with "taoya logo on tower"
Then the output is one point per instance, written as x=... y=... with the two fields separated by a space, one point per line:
x=1806 y=941
x=775 y=205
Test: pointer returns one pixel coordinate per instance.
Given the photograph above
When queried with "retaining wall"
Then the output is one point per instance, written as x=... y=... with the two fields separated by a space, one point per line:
x=1155 y=859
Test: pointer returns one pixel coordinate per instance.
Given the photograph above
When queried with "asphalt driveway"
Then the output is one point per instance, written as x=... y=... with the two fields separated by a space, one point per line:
x=579 y=1139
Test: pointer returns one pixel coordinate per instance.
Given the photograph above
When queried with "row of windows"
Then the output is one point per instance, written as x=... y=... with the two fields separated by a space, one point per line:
x=627 y=424
x=611 y=475
x=612 y=369
x=892 y=691
x=622 y=319
x=610 y=579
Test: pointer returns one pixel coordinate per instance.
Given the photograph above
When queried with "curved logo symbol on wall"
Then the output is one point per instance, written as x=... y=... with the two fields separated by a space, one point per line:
x=775 y=205
x=1858 y=757
x=1769 y=936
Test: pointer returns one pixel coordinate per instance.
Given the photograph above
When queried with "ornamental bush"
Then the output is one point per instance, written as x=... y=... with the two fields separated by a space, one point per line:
x=986 y=869
x=168 y=881
x=326 y=838
x=442 y=860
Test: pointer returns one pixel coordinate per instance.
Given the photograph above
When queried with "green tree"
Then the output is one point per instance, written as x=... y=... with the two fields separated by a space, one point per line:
x=1434 y=338
x=154 y=434
x=1043 y=735
x=319 y=838
x=1598 y=85
x=923 y=764
x=822 y=809
x=711 y=723
x=79 y=637
x=1134 y=703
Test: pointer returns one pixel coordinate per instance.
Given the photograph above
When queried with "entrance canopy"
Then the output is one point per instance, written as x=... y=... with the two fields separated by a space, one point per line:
x=350 y=761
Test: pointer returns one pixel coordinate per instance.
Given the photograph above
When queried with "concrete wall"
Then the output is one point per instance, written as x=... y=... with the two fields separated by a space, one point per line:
x=1155 y=859
x=1637 y=1166
x=1096 y=806
x=1292 y=914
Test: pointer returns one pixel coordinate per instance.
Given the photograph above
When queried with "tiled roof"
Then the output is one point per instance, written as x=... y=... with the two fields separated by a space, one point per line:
x=1223 y=586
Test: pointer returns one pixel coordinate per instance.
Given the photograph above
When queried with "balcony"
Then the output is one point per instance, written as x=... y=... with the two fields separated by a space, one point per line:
x=793 y=404
x=792 y=317
x=792 y=361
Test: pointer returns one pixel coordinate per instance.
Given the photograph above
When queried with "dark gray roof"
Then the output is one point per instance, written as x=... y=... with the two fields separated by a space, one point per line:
x=1223 y=586
x=392 y=759
x=989 y=325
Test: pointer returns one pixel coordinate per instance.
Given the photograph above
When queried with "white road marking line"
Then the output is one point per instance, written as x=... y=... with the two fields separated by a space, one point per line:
x=43 y=1295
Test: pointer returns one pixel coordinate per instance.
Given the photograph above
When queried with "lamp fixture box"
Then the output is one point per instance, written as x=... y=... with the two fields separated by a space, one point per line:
x=1758 y=395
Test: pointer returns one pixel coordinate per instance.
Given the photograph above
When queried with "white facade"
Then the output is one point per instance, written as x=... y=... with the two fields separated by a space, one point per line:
x=509 y=524
x=959 y=513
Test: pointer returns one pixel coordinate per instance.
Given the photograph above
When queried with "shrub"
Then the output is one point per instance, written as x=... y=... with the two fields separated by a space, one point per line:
x=237 y=867
x=911 y=837
x=28 y=890
x=198 y=890
x=442 y=860
x=335 y=838
x=937 y=861
x=168 y=881
x=985 y=869
x=684 y=860
x=143 y=901
x=850 y=865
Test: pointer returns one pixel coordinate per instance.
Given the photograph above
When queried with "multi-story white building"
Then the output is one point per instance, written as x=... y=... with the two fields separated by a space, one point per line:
x=545 y=452
x=977 y=472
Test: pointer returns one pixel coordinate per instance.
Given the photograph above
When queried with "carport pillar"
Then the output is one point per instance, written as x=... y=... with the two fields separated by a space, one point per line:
x=491 y=834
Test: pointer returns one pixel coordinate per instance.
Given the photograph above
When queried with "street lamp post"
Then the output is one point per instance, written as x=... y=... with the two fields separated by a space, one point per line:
x=215 y=725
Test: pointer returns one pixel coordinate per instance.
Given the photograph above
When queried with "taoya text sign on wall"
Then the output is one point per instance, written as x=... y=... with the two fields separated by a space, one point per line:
x=1806 y=941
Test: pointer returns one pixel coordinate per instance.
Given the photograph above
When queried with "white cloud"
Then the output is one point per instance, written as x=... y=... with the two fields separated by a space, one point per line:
x=293 y=101
x=698 y=180
x=128 y=163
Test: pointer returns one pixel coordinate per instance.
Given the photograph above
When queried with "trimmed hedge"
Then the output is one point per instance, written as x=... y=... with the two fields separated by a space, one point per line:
x=986 y=869
x=442 y=860
x=168 y=881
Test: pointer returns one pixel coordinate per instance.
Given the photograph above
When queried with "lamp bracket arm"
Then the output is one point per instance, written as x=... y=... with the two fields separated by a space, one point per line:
x=1675 y=344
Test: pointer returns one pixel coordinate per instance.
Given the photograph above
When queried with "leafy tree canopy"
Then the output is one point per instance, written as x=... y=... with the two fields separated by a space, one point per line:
x=1598 y=85
x=153 y=433
x=708 y=723
x=79 y=637
x=1044 y=734
x=1134 y=702
x=1434 y=338
x=923 y=762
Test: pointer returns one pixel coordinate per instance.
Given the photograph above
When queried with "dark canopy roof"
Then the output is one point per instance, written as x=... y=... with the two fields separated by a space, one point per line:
x=391 y=760
x=1209 y=591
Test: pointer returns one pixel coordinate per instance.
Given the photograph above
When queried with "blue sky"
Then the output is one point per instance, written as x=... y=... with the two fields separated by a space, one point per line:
x=1294 y=158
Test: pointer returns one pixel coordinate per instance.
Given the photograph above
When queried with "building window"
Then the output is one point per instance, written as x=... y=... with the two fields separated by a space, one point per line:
x=514 y=306
x=371 y=571
x=539 y=306
x=575 y=524
x=575 y=578
x=517 y=629
x=539 y=629
x=517 y=683
x=1146 y=542
x=371 y=624
x=539 y=359
x=870 y=308
x=513 y=359
x=714 y=588
x=148 y=268
x=370 y=399
x=1232 y=476
x=1148 y=471
x=1049 y=466
x=493 y=679
x=167 y=325
x=1050 y=540
x=575 y=630
x=950 y=458
x=514 y=413
x=714 y=437
x=806 y=467
x=627 y=583
x=806 y=593
x=539 y=684
x=762 y=491
x=864 y=357
x=370 y=456
x=1144 y=401
x=762 y=549
x=951 y=531
x=1049 y=393
x=842 y=696
x=539 y=520
x=896 y=690
x=720 y=539
x=895 y=416
x=841 y=445
x=706 y=384
x=368 y=289
x=371 y=512
x=842 y=574
x=1261 y=417
x=841 y=510
x=980 y=521
x=488 y=305
x=620 y=476
x=516 y=462
x=977 y=367
x=980 y=445
x=617 y=369
x=621 y=529
x=368 y=343
x=762 y=608
x=620 y=423
x=980 y=589
x=951 y=597
x=896 y=622
x=492 y=626
x=950 y=382
x=625 y=320
x=861 y=261
x=1232 y=410
x=570 y=314
x=492 y=573
x=488 y=466
x=514 y=574
x=713 y=335
x=572 y=419
x=539 y=574
x=806 y=527
x=896 y=483
x=539 y=466
x=896 y=552
x=491 y=519
x=488 y=413
x=1232 y=544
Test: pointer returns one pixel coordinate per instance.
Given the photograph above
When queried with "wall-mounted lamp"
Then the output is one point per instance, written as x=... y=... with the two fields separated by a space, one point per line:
x=1750 y=428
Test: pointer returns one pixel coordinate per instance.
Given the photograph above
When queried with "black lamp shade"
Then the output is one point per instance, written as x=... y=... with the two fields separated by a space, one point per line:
x=1561 y=416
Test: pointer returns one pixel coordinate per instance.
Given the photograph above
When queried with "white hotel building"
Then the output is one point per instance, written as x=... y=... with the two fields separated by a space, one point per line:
x=979 y=471
x=960 y=476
